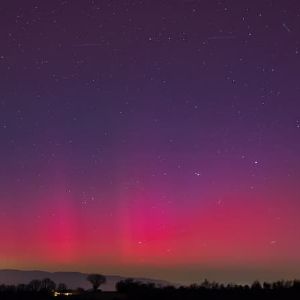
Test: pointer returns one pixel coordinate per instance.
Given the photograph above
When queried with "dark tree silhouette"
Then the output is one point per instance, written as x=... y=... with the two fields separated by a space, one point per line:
x=206 y=284
x=47 y=285
x=62 y=287
x=21 y=287
x=125 y=285
x=35 y=285
x=96 y=280
x=256 y=285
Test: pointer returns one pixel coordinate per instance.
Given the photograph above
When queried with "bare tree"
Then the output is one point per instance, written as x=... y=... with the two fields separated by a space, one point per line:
x=35 y=285
x=96 y=280
x=48 y=285
x=62 y=287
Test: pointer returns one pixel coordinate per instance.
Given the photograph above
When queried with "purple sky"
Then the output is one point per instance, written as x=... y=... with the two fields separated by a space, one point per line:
x=151 y=138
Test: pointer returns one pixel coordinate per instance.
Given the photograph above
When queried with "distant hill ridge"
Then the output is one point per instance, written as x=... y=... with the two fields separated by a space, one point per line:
x=72 y=279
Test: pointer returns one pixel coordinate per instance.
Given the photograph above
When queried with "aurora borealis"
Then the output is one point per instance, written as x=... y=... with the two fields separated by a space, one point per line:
x=147 y=138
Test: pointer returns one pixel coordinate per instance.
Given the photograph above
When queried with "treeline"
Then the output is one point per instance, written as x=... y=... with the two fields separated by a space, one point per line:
x=211 y=290
x=133 y=290
x=35 y=289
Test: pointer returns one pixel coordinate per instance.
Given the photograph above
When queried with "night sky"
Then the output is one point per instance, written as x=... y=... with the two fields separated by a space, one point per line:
x=151 y=138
